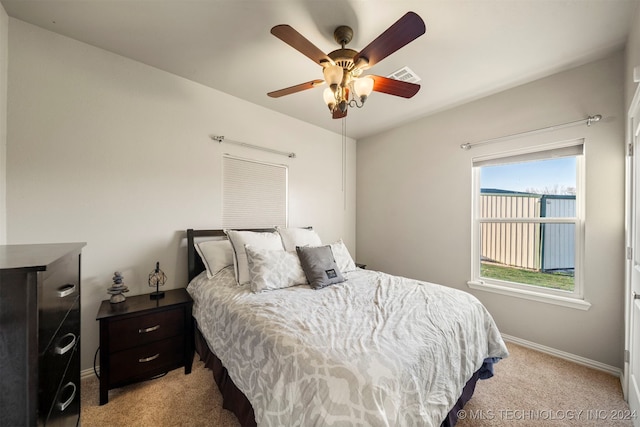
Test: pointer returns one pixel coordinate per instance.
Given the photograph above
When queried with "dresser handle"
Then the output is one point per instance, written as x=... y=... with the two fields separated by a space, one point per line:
x=63 y=405
x=151 y=329
x=66 y=290
x=149 y=359
x=62 y=350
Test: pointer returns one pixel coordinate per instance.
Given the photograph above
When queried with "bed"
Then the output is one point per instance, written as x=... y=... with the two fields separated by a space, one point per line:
x=374 y=349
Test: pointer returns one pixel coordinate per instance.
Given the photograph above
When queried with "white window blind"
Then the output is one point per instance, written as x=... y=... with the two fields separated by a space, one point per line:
x=574 y=148
x=254 y=194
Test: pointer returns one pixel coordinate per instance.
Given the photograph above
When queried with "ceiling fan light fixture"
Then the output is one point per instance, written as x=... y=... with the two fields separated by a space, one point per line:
x=333 y=75
x=329 y=98
x=363 y=87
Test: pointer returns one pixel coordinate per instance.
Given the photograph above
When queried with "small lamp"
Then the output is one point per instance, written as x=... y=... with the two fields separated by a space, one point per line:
x=157 y=278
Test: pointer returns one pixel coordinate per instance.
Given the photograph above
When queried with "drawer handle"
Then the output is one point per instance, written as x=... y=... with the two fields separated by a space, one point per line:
x=151 y=329
x=149 y=359
x=66 y=290
x=63 y=405
x=62 y=350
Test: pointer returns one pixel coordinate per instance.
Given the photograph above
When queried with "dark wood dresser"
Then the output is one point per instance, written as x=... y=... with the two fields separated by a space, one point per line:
x=40 y=334
x=142 y=337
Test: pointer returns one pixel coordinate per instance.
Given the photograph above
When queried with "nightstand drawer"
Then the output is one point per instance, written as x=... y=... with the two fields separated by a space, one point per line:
x=151 y=359
x=143 y=337
x=140 y=330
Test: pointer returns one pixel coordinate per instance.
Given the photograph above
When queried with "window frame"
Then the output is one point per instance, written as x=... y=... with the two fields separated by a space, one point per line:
x=572 y=299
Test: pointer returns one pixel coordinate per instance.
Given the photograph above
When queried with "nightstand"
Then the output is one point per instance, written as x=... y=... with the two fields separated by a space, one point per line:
x=141 y=338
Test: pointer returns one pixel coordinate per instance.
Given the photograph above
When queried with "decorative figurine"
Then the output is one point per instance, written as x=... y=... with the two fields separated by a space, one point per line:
x=157 y=278
x=117 y=289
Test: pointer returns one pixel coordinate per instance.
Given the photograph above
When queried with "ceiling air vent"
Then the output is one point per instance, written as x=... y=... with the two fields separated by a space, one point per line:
x=405 y=74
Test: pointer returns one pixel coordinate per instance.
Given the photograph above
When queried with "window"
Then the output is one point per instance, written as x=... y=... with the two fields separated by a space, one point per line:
x=528 y=224
x=254 y=194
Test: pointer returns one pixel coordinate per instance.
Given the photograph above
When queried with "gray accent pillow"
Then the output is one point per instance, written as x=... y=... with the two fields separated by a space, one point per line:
x=319 y=266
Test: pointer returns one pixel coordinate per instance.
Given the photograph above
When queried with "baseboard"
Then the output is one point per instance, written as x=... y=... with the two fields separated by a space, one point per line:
x=86 y=373
x=564 y=355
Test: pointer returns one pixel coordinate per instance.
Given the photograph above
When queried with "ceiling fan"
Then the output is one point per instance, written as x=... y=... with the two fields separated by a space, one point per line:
x=343 y=68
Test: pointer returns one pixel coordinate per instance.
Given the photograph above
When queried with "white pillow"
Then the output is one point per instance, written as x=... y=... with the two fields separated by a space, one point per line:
x=215 y=255
x=342 y=256
x=268 y=241
x=275 y=269
x=292 y=237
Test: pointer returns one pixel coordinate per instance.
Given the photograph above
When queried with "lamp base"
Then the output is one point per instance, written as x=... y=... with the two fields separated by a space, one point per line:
x=156 y=295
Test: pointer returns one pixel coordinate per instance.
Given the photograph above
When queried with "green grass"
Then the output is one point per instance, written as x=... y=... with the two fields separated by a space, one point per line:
x=563 y=281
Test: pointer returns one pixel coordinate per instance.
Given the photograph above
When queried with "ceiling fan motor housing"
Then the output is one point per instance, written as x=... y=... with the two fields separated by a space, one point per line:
x=344 y=57
x=343 y=35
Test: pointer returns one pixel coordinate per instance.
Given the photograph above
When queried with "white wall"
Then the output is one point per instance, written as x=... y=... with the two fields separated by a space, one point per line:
x=632 y=57
x=4 y=56
x=117 y=154
x=414 y=201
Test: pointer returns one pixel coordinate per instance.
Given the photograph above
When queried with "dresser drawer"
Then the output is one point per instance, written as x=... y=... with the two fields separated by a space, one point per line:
x=60 y=289
x=151 y=359
x=65 y=409
x=140 y=330
x=54 y=361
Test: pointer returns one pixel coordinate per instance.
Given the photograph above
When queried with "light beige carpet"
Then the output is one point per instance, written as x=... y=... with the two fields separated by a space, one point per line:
x=535 y=389
x=530 y=389
x=173 y=400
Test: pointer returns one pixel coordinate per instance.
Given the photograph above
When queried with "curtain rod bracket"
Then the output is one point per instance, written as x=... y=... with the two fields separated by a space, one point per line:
x=593 y=119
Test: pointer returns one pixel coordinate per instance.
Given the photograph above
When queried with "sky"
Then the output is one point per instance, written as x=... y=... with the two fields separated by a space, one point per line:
x=539 y=175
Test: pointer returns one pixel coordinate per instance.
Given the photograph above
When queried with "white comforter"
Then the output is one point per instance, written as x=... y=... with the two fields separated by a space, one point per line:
x=377 y=350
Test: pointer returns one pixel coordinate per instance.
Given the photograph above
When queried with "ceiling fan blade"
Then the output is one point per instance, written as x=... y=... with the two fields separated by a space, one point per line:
x=296 y=88
x=404 y=31
x=337 y=114
x=297 y=41
x=394 y=87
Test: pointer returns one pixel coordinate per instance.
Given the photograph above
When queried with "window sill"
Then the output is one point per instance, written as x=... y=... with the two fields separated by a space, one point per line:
x=578 y=304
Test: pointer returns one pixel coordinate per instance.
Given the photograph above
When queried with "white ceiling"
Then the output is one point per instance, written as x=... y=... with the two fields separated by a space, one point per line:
x=471 y=48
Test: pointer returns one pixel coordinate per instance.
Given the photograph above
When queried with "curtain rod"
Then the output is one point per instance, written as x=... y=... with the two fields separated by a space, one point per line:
x=220 y=139
x=588 y=120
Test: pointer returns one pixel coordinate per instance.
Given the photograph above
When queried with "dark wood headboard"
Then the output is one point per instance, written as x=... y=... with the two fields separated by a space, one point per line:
x=194 y=263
